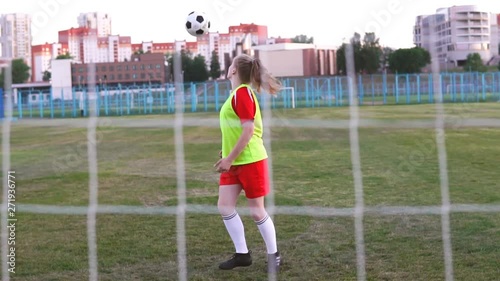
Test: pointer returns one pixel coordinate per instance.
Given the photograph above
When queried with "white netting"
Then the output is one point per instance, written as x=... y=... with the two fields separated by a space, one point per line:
x=182 y=208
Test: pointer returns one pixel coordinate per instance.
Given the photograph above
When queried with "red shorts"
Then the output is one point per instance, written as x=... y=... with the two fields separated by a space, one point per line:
x=253 y=177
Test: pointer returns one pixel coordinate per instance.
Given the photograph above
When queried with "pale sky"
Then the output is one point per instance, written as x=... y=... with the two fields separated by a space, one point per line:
x=147 y=20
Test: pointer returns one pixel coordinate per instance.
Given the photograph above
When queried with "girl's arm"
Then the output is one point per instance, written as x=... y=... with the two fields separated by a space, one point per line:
x=246 y=135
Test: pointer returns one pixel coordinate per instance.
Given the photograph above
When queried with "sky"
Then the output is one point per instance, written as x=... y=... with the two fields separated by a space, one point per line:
x=148 y=20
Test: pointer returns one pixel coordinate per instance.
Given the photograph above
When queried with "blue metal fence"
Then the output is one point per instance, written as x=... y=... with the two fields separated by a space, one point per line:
x=297 y=92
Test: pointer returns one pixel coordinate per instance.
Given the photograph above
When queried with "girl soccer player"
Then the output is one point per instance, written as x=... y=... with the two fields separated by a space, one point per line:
x=243 y=163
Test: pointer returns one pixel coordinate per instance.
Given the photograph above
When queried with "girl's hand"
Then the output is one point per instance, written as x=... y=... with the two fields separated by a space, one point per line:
x=223 y=165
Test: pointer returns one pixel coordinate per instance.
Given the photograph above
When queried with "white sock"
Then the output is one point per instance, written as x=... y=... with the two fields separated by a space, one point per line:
x=266 y=228
x=236 y=230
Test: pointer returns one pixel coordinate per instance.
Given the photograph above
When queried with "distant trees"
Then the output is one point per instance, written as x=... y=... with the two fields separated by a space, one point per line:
x=46 y=76
x=474 y=63
x=371 y=53
x=215 y=70
x=64 y=56
x=20 y=72
x=409 y=60
x=194 y=68
x=303 y=39
x=367 y=54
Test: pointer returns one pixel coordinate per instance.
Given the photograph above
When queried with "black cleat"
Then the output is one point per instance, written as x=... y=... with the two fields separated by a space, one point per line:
x=237 y=260
x=274 y=262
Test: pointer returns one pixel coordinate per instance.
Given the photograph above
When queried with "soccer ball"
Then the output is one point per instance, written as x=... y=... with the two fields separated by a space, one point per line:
x=197 y=23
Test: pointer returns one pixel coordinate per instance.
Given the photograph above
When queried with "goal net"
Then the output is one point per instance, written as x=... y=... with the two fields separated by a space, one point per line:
x=378 y=193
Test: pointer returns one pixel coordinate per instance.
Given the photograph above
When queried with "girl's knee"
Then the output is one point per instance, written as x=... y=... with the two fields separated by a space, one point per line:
x=225 y=208
x=258 y=213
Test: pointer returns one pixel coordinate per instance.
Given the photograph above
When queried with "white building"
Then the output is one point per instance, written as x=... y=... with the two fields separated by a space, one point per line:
x=495 y=39
x=456 y=32
x=86 y=46
x=42 y=56
x=114 y=48
x=296 y=59
x=99 y=21
x=15 y=36
x=214 y=42
x=61 y=82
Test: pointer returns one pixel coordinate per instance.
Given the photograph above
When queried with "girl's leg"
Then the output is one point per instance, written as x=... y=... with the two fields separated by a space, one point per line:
x=268 y=232
x=264 y=223
x=228 y=197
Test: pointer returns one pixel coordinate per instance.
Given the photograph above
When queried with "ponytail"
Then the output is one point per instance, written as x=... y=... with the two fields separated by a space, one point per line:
x=261 y=78
x=251 y=70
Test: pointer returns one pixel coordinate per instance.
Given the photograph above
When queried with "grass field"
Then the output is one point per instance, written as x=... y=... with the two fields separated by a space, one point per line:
x=311 y=167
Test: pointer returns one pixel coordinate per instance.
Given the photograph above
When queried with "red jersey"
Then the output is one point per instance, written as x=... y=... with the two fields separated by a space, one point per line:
x=244 y=105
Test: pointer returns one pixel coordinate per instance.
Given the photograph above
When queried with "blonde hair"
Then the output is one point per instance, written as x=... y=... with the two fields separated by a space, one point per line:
x=251 y=71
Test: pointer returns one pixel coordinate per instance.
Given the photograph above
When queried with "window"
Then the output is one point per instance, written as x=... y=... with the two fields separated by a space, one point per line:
x=134 y=76
x=103 y=68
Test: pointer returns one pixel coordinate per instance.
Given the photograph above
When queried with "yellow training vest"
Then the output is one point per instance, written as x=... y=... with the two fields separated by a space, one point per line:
x=232 y=129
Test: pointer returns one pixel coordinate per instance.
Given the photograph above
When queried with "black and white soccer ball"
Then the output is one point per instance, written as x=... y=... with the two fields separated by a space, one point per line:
x=197 y=23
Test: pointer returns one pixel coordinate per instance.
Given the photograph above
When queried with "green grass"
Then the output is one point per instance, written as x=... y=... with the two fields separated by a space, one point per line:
x=311 y=167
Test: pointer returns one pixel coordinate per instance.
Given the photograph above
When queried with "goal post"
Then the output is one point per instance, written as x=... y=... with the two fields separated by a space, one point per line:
x=292 y=94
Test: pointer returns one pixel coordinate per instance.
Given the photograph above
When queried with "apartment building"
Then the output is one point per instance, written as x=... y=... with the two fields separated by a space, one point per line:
x=15 y=36
x=42 y=56
x=165 y=48
x=457 y=31
x=140 y=69
x=96 y=20
x=86 y=46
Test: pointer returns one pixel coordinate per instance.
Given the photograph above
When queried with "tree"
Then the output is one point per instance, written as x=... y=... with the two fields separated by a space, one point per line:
x=384 y=59
x=499 y=66
x=65 y=56
x=370 y=52
x=409 y=60
x=194 y=68
x=303 y=39
x=341 y=52
x=474 y=63
x=46 y=76
x=20 y=72
x=215 y=71
x=139 y=52
x=340 y=56
x=199 y=71
x=367 y=54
